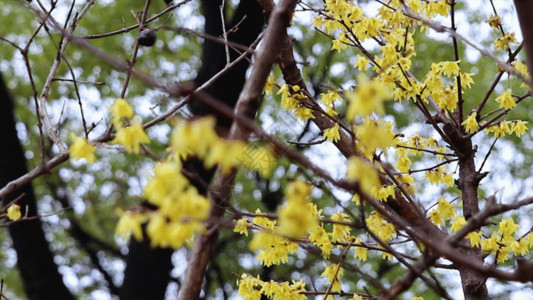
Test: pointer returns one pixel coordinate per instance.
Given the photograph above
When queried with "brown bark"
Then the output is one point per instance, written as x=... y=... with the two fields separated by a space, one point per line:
x=473 y=282
x=35 y=261
x=247 y=105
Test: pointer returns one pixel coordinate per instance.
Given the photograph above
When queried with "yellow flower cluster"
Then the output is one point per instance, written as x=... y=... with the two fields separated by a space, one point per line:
x=367 y=98
x=439 y=175
x=132 y=136
x=332 y=273
x=504 y=128
x=382 y=193
x=273 y=248
x=320 y=238
x=328 y=99
x=372 y=135
x=251 y=288
x=501 y=242
x=291 y=100
x=504 y=42
x=298 y=216
x=379 y=226
x=444 y=212
x=181 y=210
x=363 y=172
x=340 y=232
x=199 y=139
x=444 y=95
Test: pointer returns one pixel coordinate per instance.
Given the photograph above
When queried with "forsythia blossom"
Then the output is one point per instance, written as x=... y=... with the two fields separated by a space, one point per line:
x=297 y=217
x=82 y=149
x=132 y=136
x=13 y=212
x=121 y=109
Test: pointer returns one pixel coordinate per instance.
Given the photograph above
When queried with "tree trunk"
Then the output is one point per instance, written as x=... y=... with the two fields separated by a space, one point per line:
x=226 y=90
x=35 y=261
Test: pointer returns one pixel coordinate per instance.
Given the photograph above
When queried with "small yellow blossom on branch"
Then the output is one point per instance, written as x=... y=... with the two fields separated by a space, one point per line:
x=504 y=42
x=363 y=172
x=298 y=216
x=121 y=109
x=494 y=21
x=506 y=100
x=13 y=212
x=470 y=123
x=332 y=134
x=82 y=148
x=131 y=137
x=130 y=223
x=367 y=98
x=332 y=273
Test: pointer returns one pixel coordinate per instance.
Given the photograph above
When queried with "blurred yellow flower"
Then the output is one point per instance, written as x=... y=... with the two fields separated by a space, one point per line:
x=82 y=148
x=13 y=212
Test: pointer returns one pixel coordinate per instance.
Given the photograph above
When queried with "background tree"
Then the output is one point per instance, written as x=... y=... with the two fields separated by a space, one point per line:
x=371 y=166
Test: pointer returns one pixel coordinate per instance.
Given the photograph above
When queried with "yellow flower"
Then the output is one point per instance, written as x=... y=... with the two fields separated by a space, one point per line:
x=329 y=97
x=507 y=227
x=466 y=79
x=361 y=63
x=494 y=21
x=340 y=43
x=474 y=238
x=500 y=129
x=450 y=68
x=298 y=216
x=506 y=100
x=340 y=232
x=436 y=217
x=130 y=223
x=364 y=172
x=121 y=109
x=368 y=97
x=269 y=85
x=241 y=226
x=519 y=128
x=490 y=245
x=131 y=137
x=446 y=209
x=303 y=113
x=82 y=149
x=320 y=238
x=503 y=42
x=273 y=248
x=331 y=111
x=457 y=224
x=332 y=134
x=470 y=123
x=383 y=229
x=332 y=273
x=13 y=212
x=249 y=287
x=373 y=135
